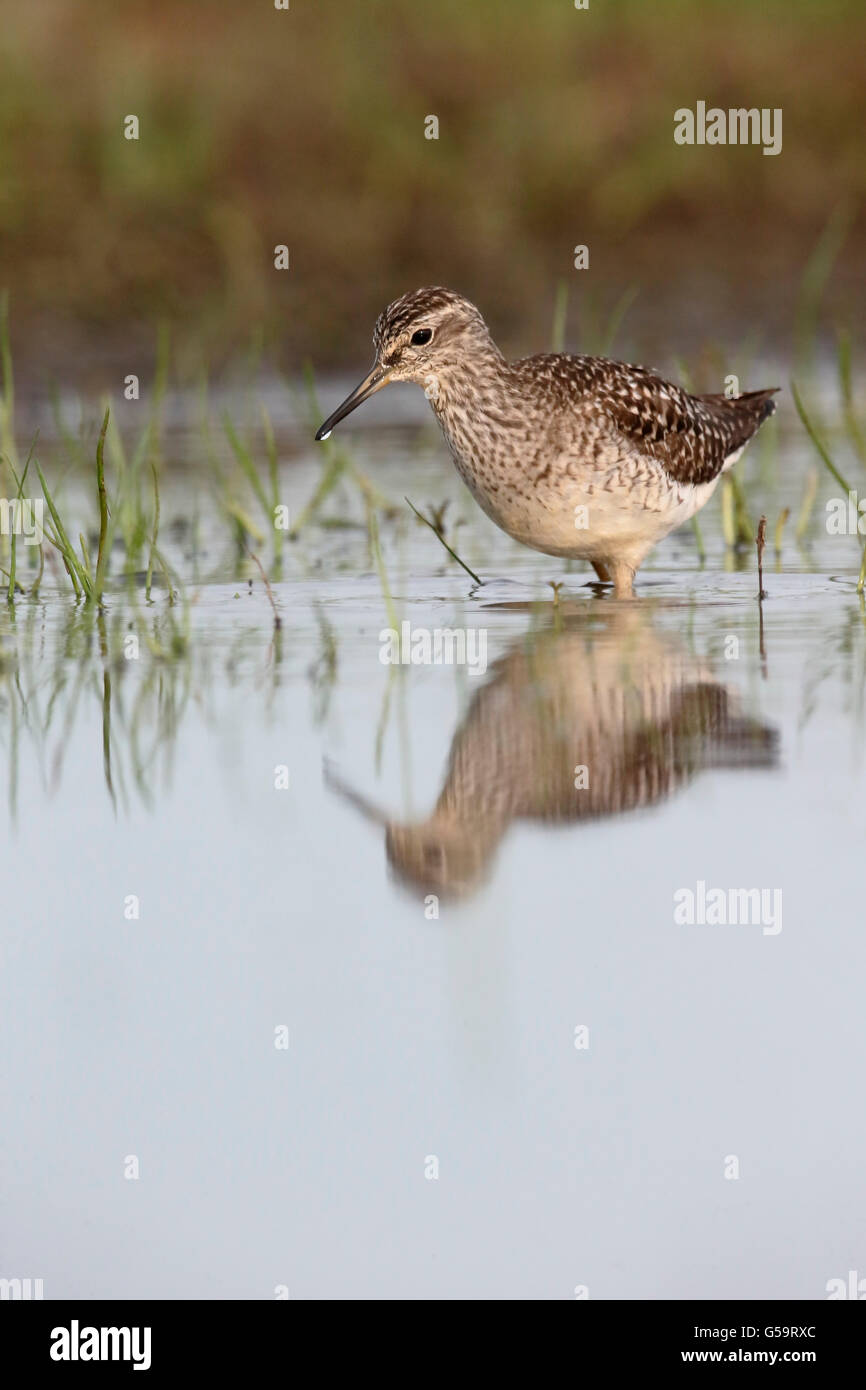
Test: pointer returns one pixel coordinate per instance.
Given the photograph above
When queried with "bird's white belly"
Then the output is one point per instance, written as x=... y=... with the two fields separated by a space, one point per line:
x=592 y=517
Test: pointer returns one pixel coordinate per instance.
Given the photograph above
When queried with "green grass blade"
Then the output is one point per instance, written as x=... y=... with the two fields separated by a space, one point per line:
x=249 y=469
x=102 y=552
x=819 y=446
x=442 y=541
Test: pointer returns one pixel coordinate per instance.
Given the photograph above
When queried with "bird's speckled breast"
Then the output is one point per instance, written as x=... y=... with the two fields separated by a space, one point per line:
x=556 y=482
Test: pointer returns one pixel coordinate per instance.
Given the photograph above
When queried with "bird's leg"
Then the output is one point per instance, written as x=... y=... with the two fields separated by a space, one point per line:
x=623 y=579
x=601 y=570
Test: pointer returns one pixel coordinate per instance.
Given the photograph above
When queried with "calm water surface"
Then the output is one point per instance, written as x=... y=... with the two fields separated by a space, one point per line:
x=432 y=1129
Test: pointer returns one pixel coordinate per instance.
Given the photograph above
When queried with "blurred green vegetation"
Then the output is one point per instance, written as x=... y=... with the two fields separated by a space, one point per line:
x=306 y=127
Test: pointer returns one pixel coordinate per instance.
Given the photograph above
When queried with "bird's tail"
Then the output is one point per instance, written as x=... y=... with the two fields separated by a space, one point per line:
x=741 y=416
x=709 y=716
x=752 y=408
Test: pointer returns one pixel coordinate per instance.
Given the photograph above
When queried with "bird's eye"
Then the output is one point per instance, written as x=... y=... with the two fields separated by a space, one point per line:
x=422 y=336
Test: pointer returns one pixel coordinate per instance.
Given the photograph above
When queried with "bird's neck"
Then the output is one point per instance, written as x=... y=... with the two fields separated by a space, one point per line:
x=470 y=397
x=481 y=408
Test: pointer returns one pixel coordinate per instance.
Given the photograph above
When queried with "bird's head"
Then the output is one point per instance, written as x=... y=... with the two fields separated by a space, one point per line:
x=421 y=337
x=437 y=856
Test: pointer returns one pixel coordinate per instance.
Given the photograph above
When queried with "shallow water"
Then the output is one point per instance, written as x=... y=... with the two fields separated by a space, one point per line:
x=414 y=1037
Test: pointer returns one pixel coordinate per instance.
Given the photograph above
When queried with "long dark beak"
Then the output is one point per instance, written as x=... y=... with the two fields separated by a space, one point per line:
x=375 y=379
x=367 y=808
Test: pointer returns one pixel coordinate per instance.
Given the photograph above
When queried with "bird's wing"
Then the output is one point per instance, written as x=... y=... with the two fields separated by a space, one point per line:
x=691 y=437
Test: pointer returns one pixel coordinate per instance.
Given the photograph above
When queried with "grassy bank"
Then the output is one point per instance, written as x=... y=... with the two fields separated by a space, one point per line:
x=260 y=127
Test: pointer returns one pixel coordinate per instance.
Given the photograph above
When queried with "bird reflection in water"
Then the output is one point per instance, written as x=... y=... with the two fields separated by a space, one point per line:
x=595 y=715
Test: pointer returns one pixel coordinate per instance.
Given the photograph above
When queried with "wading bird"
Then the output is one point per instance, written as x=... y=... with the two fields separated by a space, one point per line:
x=572 y=455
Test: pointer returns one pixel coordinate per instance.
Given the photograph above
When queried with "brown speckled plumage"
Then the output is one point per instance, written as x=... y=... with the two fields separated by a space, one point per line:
x=572 y=455
x=690 y=436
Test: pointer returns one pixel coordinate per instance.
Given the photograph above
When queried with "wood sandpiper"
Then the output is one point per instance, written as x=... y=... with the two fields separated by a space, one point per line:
x=572 y=455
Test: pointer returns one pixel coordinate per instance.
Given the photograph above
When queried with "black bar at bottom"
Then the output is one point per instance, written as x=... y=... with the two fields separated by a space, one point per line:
x=157 y=1338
